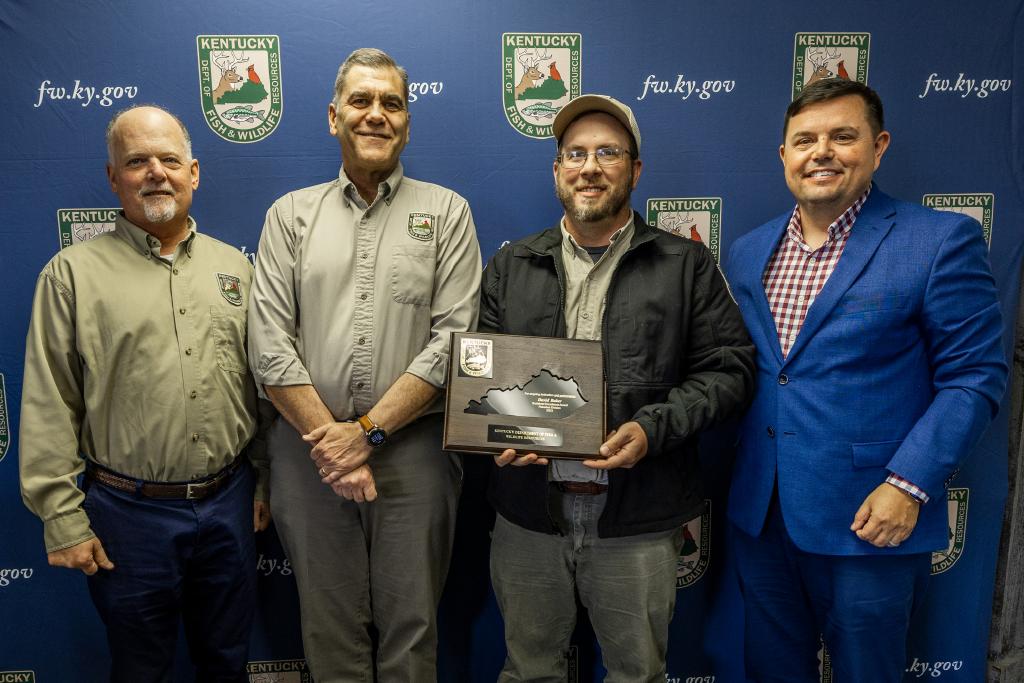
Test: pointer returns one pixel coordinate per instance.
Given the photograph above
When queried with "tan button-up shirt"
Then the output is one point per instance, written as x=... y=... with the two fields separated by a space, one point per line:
x=136 y=363
x=349 y=296
x=586 y=290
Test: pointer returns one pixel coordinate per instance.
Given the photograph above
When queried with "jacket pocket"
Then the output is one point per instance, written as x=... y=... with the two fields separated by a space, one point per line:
x=412 y=275
x=874 y=454
x=229 y=339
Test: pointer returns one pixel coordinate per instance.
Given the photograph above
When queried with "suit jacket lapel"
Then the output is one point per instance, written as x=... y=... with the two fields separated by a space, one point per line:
x=770 y=334
x=871 y=227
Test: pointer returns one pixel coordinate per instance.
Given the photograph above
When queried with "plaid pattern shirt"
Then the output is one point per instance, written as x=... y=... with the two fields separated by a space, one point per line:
x=795 y=276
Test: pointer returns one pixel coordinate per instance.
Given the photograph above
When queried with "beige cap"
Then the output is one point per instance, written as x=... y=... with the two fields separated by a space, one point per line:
x=585 y=104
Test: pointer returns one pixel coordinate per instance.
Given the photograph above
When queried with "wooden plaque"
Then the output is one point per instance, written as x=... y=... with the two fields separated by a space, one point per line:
x=540 y=395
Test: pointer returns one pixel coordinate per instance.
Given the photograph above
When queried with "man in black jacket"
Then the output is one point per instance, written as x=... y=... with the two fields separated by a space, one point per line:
x=677 y=360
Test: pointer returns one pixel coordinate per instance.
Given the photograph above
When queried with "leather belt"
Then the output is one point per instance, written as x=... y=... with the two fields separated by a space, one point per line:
x=193 y=490
x=581 y=488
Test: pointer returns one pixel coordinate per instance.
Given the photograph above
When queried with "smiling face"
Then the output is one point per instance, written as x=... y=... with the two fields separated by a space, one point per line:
x=596 y=197
x=830 y=154
x=150 y=171
x=371 y=120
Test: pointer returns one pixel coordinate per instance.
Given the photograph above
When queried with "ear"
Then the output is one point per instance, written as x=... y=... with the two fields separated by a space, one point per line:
x=782 y=154
x=881 y=144
x=111 y=178
x=638 y=166
x=194 y=170
x=332 y=119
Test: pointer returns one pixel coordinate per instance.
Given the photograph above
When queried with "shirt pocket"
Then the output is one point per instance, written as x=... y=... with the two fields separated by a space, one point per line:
x=875 y=454
x=412 y=275
x=229 y=339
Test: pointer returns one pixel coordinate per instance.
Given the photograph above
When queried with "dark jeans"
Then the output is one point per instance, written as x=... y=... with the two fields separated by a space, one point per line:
x=176 y=559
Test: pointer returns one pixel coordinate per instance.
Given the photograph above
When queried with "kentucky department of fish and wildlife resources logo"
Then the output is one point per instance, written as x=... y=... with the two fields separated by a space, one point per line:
x=17 y=676
x=817 y=56
x=278 y=671
x=695 y=555
x=956 y=503
x=695 y=218
x=240 y=84
x=977 y=205
x=78 y=225
x=421 y=226
x=540 y=73
x=230 y=288
x=5 y=424
x=824 y=664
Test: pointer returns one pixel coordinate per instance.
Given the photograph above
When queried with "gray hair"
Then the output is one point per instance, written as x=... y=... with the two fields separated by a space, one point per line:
x=373 y=58
x=118 y=115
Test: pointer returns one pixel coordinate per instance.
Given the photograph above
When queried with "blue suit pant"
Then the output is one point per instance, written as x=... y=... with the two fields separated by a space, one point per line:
x=174 y=560
x=858 y=606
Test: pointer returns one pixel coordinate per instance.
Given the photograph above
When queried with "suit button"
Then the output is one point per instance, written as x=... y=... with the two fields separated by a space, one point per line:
x=783 y=379
x=771 y=432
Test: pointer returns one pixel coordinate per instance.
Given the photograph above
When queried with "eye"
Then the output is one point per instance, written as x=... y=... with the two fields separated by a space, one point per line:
x=575 y=155
x=608 y=153
x=134 y=163
x=845 y=137
x=359 y=102
x=391 y=105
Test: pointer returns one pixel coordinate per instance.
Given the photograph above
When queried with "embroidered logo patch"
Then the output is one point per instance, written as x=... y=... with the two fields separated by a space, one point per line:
x=421 y=226
x=230 y=288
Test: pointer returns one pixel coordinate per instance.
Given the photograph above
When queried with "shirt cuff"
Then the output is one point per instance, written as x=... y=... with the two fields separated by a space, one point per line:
x=275 y=370
x=902 y=484
x=66 y=530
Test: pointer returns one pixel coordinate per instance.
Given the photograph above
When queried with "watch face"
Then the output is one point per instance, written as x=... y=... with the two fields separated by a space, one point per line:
x=376 y=437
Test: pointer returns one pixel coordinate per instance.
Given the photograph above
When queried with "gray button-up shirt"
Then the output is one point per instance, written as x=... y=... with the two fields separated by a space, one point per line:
x=136 y=363
x=586 y=290
x=347 y=297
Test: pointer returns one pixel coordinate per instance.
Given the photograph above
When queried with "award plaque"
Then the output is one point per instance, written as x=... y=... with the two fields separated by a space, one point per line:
x=538 y=395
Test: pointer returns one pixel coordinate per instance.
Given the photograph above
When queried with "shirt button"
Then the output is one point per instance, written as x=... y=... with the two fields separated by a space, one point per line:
x=362 y=340
x=195 y=437
x=359 y=385
x=363 y=255
x=193 y=393
x=188 y=351
x=175 y=271
x=783 y=379
x=801 y=298
x=586 y=316
x=181 y=310
x=363 y=296
x=771 y=432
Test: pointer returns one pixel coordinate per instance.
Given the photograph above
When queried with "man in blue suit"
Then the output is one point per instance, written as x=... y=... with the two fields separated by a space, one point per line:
x=880 y=364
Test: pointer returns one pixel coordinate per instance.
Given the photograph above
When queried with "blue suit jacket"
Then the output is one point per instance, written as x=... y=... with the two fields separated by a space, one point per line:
x=899 y=367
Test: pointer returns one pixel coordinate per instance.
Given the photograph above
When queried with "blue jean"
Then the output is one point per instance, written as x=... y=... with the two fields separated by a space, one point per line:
x=627 y=585
x=859 y=605
x=174 y=560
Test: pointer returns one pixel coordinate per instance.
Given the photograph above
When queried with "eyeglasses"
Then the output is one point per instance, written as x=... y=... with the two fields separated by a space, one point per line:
x=606 y=156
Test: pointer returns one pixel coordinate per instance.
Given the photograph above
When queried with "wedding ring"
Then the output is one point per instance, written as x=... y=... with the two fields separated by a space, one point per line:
x=323 y=472
x=893 y=544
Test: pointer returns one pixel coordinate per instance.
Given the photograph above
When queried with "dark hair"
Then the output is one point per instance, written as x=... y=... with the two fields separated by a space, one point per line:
x=832 y=88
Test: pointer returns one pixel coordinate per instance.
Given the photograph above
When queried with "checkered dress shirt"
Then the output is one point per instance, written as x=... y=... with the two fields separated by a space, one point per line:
x=795 y=276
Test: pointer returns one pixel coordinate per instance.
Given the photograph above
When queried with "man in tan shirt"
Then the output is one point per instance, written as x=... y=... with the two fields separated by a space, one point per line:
x=136 y=375
x=359 y=284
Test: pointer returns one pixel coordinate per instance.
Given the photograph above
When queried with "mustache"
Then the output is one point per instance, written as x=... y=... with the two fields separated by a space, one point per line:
x=150 y=189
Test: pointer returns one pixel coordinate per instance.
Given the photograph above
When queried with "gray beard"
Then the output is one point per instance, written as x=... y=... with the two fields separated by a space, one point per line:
x=611 y=205
x=159 y=211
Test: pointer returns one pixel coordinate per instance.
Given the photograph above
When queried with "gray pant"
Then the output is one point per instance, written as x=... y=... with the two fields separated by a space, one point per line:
x=382 y=563
x=627 y=585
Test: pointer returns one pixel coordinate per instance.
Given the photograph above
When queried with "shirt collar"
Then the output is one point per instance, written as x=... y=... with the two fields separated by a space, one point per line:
x=385 y=190
x=839 y=226
x=146 y=244
x=618 y=241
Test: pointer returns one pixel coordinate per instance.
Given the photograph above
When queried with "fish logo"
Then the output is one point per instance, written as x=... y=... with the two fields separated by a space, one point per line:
x=79 y=225
x=421 y=226
x=956 y=504
x=695 y=218
x=5 y=424
x=240 y=85
x=541 y=72
x=695 y=554
x=817 y=56
x=977 y=205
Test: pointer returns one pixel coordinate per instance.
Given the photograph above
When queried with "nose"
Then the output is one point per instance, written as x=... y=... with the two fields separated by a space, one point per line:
x=590 y=166
x=376 y=111
x=155 y=170
x=823 y=148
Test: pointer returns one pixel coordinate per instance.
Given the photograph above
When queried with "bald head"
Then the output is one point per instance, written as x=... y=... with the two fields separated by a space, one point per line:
x=138 y=112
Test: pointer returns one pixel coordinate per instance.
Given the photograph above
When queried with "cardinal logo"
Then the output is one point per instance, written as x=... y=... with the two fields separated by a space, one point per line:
x=695 y=555
x=978 y=205
x=817 y=56
x=79 y=225
x=695 y=218
x=540 y=72
x=956 y=503
x=240 y=85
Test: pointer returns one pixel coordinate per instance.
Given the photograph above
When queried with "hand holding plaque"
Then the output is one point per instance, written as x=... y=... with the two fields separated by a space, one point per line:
x=538 y=394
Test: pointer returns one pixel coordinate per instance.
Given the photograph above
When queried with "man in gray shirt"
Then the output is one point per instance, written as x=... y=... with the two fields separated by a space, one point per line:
x=359 y=283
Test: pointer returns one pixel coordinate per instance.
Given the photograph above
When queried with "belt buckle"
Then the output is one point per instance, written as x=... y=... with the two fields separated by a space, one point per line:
x=192 y=491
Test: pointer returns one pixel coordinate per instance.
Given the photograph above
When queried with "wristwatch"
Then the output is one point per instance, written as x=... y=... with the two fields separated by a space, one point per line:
x=375 y=436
